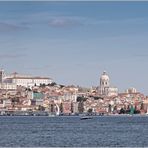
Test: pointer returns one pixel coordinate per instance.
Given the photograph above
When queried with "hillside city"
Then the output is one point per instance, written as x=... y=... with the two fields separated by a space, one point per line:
x=34 y=95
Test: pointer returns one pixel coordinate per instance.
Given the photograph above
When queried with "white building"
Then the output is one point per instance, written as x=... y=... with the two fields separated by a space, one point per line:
x=7 y=103
x=8 y=86
x=112 y=91
x=105 y=89
x=131 y=90
x=29 y=81
x=16 y=79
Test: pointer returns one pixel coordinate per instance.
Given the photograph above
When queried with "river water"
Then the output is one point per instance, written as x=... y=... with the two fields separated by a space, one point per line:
x=116 y=131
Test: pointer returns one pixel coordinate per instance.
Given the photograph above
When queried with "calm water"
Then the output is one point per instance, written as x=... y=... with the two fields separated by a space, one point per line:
x=71 y=131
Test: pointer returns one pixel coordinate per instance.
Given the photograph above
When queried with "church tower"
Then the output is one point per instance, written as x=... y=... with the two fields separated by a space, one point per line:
x=2 y=74
x=104 y=84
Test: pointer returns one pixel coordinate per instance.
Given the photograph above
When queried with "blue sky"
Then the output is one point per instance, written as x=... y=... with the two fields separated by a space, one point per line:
x=74 y=42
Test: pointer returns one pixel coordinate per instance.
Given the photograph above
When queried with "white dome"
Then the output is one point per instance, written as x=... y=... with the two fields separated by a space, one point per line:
x=104 y=76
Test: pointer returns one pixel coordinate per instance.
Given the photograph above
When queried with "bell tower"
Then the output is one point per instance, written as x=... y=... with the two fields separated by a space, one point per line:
x=2 y=74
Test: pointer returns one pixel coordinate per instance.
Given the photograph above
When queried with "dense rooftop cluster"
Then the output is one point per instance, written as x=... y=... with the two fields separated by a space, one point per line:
x=55 y=99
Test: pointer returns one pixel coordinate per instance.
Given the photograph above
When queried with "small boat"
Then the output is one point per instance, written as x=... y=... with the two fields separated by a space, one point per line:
x=85 y=117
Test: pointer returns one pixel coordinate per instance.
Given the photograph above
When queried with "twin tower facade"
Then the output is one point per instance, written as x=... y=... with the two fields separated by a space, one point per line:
x=105 y=89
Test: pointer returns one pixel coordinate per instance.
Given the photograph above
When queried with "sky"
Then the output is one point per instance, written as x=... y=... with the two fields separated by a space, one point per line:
x=74 y=42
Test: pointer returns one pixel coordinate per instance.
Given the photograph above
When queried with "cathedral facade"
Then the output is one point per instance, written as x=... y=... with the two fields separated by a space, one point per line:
x=104 y=88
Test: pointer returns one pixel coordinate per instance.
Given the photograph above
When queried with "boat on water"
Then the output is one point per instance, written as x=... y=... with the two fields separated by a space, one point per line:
x=85 y=117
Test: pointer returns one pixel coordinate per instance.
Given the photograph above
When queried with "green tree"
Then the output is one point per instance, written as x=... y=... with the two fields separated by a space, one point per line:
x=81 y=107
x=122 y=111
x=109 y=108
x=61 y=108
x=142 y=106
x=52 y=84
x=81 y=98
x=41 y=108
x=72 y=107
x=90 y=111
x=52 y=108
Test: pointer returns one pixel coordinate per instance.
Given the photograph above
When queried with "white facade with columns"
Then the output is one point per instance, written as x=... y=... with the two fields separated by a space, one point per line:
x=105 y=89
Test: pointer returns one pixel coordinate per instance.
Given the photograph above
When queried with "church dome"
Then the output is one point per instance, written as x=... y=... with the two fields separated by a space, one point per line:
x=104 y=76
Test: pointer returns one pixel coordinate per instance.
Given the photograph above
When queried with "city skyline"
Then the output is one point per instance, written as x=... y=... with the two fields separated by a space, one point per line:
x=74 y=42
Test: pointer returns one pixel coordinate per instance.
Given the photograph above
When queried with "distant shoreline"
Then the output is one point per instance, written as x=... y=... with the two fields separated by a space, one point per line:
x=47 y=115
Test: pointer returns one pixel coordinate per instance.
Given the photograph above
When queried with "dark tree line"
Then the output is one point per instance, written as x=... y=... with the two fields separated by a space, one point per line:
x=80 y=99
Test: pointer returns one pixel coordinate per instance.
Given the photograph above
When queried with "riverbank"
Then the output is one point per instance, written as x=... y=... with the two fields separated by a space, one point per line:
x=45 y=113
